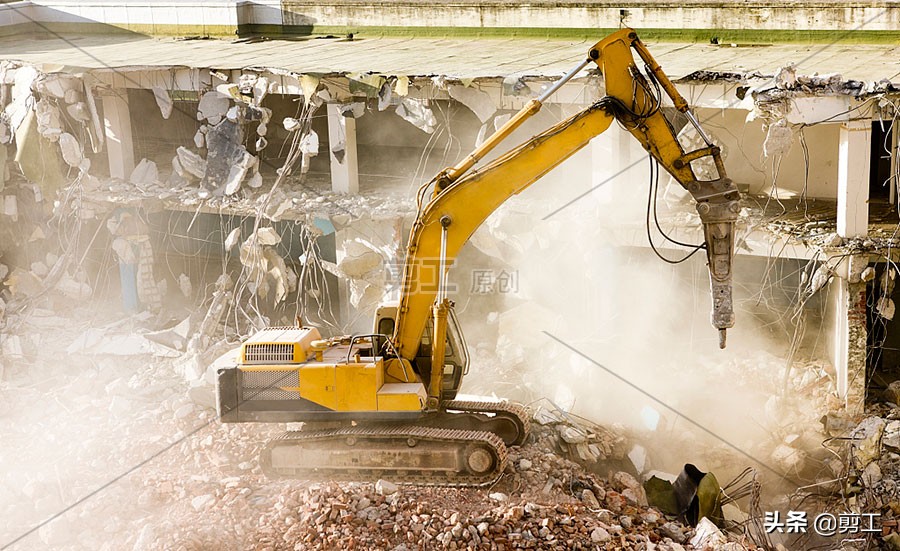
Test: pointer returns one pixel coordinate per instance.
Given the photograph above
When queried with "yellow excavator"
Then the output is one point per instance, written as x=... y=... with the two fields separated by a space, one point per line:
x=382 y=405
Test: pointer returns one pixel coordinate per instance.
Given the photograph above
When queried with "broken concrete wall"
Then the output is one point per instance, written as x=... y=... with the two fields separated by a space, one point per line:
x=747 y=165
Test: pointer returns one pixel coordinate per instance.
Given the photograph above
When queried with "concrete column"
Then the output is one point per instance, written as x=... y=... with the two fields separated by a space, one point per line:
x=342 y=145
x=119 y=142
x=849 y=293
x=853 y=178
x=847 y=296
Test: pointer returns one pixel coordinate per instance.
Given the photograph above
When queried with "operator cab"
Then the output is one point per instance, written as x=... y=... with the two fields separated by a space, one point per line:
x=456 y=355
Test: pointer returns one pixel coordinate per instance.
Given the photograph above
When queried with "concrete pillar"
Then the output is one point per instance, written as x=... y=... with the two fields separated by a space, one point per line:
x=853 y=178
x=342 y=145
x=847 y=296
x=849 y=293
x=119 y=142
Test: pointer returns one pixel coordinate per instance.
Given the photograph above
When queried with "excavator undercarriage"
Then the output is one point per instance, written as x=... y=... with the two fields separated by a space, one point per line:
x=463 y=445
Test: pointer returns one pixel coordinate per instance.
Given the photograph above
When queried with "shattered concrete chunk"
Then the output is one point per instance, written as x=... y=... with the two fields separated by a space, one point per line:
x=164 y=101
x=891 y=437
x=212 y=107
x=255 y=180
x=308 y=85
x=200 y=137
x=260 y=89
x=600 y=535
x=384 y=96
x=224 y=151
x=49 y=123
x=79 y=111
x=867 y=440
x=238 y=172
x=309 y=144
x=885 y=308
x=516 y=86
x=71 y=150
x=707 y=535
x=353 y=110
x=385 y=488
x=477 y=101
x=402 y=86
x=191 y=163
x=233 y=237
x=366 y=83
x=144 y=173
x=267 y=236
x=779 y=138
x=416 y=113
x=290 y=124
x=786 y=77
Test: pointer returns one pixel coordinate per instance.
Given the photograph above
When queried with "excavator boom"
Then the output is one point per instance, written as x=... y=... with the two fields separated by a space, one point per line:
x=463 y=198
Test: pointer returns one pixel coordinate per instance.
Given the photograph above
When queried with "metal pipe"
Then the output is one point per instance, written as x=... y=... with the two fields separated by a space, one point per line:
x=559 y=83
x=696 y=123
x=442 y=275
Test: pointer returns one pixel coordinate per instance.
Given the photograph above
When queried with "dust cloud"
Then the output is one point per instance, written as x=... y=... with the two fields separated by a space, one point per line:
x=583 y=316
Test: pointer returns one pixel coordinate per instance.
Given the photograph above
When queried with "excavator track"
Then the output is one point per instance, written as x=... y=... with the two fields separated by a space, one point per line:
x=399 y=453
x=515 y=416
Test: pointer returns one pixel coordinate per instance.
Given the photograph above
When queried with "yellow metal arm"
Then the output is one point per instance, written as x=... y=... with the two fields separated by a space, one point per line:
x=463 y=198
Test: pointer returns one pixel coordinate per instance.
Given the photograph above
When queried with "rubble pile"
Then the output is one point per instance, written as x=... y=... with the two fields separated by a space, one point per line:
x=543 y=501
x=872 y=471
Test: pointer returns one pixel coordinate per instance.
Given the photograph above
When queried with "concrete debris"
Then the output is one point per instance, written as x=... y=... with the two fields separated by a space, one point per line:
x=477 y=101
x=707 y=535
x=192 y=165
x=891 y=436
x=308 y=85
x=786 y=77
x=71 y=150
x=867 y=440
x=353 y=110
x=385 y=488
x=184 y=283
x=385 y=96
x=267 y=236
x=144 y=173
x=79 y=111
x=418 y=114
x=224 y=145
x=212 y=107
x=233 y=237
x=57 y=85
x=255 y=181
x=779 y=138
x=238 y=172
x=401 y=87
x=49 y=122
x=200 y=136
x=309 y=147
x=366 y=83
x=221 y=299
x=164 y=101
x=885 y=308
x=38 y=159
x=516 y=86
